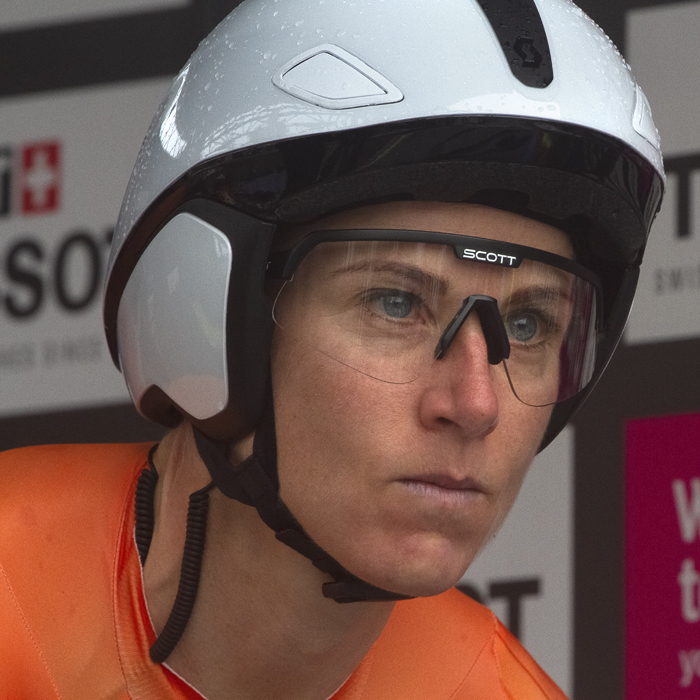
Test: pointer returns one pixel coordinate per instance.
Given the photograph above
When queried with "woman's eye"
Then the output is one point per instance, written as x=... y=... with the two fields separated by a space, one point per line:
x=521 y=327
x=395 y=305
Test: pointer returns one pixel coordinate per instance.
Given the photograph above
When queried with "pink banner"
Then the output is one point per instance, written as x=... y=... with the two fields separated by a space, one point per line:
x=662 y=563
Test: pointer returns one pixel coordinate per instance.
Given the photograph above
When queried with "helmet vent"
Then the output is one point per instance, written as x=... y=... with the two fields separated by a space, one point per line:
x=331 y=77
x=520 y=32
x=642 y=121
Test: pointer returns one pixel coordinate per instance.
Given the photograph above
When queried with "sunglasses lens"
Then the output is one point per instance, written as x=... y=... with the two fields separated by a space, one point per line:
x=381 y=308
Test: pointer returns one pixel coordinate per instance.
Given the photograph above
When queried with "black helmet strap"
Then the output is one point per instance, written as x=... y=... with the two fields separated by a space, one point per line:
x=254 y=482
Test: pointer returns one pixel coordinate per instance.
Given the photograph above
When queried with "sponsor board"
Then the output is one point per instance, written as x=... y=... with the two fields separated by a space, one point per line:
x=65 y=159
x=18 y=14
x=525 y=574
x=662 y=42
x=662 y=562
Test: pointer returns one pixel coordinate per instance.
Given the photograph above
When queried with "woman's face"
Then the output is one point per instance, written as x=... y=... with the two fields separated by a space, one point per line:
x=403 y=483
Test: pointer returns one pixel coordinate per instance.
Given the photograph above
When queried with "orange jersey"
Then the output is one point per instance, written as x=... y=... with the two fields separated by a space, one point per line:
x=73 y=619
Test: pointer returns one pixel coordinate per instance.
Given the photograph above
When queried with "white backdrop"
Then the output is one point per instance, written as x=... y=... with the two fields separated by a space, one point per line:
x=53 y=356
x=663 y=52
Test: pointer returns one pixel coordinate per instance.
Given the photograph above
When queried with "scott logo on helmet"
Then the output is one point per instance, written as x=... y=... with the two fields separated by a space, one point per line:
x=530 y=56
x=490 y=257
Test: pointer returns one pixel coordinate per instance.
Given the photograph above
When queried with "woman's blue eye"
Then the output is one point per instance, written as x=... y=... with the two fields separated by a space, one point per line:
x=522 y=328
x=396 y=305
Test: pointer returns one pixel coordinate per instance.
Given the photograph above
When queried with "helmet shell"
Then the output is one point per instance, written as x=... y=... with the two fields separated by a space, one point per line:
x=444 y=58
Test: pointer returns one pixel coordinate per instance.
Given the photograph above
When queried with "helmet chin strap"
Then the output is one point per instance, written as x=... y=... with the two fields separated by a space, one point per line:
x=254 y=482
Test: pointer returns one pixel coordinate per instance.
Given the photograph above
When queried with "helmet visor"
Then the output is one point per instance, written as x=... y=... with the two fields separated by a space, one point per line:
x=381 y=305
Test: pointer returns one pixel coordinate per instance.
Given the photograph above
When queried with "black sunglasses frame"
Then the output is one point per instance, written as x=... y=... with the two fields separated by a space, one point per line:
x=282 y=265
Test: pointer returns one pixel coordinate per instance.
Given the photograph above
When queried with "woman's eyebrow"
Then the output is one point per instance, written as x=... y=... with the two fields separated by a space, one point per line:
x=540 y=292
x=402 y=270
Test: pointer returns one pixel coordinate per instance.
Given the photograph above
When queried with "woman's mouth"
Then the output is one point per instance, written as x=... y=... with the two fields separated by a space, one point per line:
x=443 y=488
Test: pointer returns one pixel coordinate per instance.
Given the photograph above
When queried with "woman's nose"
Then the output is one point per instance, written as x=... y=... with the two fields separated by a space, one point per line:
x=464 y=387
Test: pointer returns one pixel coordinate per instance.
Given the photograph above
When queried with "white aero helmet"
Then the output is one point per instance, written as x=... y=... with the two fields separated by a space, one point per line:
x=296 y=108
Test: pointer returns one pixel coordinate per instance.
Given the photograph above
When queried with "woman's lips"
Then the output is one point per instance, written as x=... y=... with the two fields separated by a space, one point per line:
x=447 y=482
x=444 y=488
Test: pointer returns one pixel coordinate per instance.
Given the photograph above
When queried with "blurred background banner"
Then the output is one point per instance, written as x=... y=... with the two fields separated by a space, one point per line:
x=79 y=83
x=65 y=160
x=32 y=13
x=662 y=619
x=662 y=49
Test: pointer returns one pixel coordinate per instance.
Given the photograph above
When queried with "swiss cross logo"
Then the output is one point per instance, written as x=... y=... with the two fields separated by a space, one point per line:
x=31 y=178
x=41 y=178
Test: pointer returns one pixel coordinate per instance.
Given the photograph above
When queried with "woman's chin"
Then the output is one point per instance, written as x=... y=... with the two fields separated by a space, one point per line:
x=421 y=581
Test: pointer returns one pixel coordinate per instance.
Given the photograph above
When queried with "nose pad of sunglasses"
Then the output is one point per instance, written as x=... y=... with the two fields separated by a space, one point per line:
x=486 y=308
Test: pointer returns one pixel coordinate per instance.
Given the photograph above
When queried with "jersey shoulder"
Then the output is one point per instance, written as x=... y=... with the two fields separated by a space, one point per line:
x=502 y=661
x=520 y=674
x=35 y=471
x=62 y=510
x=449 y=647
x=54 y=495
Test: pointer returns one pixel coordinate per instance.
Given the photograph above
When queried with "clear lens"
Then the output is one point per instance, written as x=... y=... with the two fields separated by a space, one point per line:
x=381 y=307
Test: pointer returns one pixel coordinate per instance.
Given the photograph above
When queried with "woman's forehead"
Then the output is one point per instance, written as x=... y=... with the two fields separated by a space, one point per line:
x=447 y=217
